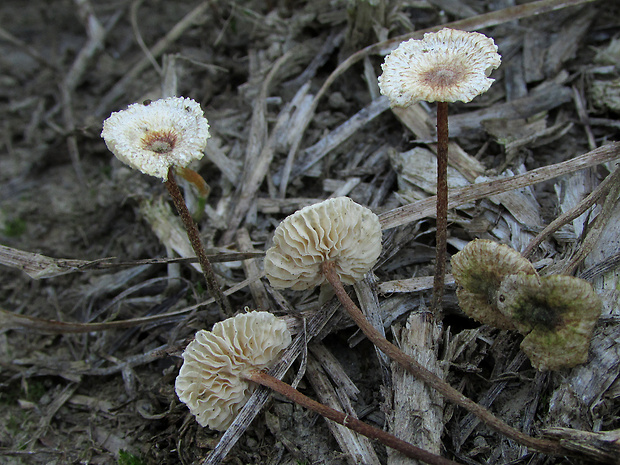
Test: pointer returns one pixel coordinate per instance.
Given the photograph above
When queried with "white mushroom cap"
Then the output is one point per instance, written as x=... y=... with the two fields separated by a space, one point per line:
x=152 y=137
x=478 y=270
x=336 y=229
x=211 y=381
x=445 y=66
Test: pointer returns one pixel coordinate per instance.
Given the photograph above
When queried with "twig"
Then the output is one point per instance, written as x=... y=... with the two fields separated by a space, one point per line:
x=135 y=6
x=10 y=320
x=10 y=38
x=605 y=265
x=252 y=268
x=96 y=36
x=260 y=150
x=39 y=266
x=335 y=389
x=416 y=409
x=49 y=412
x=425 y=208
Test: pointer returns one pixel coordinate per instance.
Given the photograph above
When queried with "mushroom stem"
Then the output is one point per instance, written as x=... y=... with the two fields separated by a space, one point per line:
x=194 y=239
x=350 y=422
x=442 y=205
x=412 y=366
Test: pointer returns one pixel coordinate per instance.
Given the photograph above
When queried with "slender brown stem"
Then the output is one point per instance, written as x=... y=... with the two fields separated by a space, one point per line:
x=350 y=422
x=194 y=239
x=442 y=205
x=431 y=379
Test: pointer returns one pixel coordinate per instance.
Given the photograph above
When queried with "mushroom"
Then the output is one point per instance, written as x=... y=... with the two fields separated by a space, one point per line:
x=213 y=379
x=336 y=230
x=222 y=367
x=445 y=66
x=157 y=137
x=319 y=243
x=478 y=270
x=556 y=313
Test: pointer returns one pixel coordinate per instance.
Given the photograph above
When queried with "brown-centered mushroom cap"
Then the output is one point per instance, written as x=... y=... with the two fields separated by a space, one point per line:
x=556 y=313
x=478 y=270
x=337 y=230
x=152 y=138
x=445 y=66
x=211 y=381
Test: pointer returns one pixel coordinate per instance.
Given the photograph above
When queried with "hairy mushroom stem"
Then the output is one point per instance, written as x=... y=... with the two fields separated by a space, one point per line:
x=441 y=243
x=194 y=239
x=352 y=423
x=412 y=366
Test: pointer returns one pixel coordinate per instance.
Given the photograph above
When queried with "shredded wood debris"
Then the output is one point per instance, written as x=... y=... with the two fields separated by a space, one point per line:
x=91 y=343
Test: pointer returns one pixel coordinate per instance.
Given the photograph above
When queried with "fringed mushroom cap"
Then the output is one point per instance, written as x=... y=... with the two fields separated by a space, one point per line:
x=152 y=137
x=336 y=229
x=478 y=270
x=211 y=381
x=445 y=66
x=557 y=313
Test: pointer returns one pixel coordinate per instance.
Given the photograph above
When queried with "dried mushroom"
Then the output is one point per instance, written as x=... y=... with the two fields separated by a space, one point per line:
x=216 y=364
x=556 y=313
x=337 y=230
x=478 y=270
x=155 y=136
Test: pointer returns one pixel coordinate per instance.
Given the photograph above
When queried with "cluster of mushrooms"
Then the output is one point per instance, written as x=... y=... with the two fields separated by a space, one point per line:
x=501 y=288
x=336 y=242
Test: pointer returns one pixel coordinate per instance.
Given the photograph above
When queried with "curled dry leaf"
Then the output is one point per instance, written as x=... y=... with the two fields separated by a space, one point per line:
x=556 y=313
x=155 y=136
x=478 y=270
x=445 y=66
x=215 y=364
x=337 y=230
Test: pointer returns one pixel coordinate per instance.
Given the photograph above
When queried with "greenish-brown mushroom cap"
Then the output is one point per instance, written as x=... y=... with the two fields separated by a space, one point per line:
x=556 y=313
x=478 y=270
